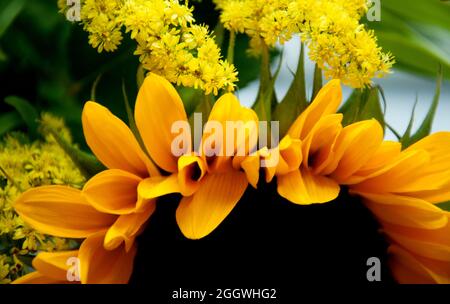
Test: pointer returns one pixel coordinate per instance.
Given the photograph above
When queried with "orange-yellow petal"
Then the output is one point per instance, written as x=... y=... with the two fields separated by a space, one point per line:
x=239 y=134
x=157 y=186
x=400 y=175
x=429 y=243
x=113 y=191
x=191 y=170
x=37 y=278
x=290 y=155
x=55 y=265
x=101 y=266
x=198 y=215
x=251 y=165
x=127 y=228
x=386 y=153
x=405 y=211
x=304 y=188
x=320 y=139
x=356 y=145
x=326 y=102
x=113 y=142
x=61 y=211
x=158 y=106
x=407 y=268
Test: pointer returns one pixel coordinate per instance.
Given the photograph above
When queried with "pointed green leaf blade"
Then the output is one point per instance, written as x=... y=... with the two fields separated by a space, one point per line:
x=26 y=111
x=9 y=121
x=425 y=127
x=295 y=100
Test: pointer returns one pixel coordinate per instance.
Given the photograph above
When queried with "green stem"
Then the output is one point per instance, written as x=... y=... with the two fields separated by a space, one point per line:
x=8 y=177
x=231 y=46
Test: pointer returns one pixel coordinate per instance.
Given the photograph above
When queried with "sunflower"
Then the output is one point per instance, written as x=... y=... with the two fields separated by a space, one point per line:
x=401 y=189
x=318 y=156
x=113 y=206
x=209 y=177
x=318 y=152
x=107 y=213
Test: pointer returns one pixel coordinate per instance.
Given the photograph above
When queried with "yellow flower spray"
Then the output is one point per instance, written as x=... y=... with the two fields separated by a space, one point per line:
x=169 y=43
x=23 y=166
x=340 y=45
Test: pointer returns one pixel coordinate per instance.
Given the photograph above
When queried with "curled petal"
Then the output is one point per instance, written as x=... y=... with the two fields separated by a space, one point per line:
x=304 y=188
x=113 y=191
x=101 y=266
x=198 y=215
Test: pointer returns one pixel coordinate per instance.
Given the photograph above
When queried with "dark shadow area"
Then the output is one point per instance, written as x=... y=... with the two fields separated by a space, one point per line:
x=267 y=241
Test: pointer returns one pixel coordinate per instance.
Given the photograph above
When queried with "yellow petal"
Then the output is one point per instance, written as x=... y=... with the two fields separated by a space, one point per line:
x=438 y=147
x=437 y=172
x=191 y=170
x=101 y=266
x=304 y=188
x=127 y=228
x=251 y=166
x=157 y=186
x=158 y=106
x=290 y=155
x=321 y=137
x=113 y=191
x=54 y=265
x=410 y=269
x=37 y=278
x=440 y=195
x=231 y=116
x=429 y=243
x=398 y=176
x=61 y=211
x=198 y=215
x=405 y=211
x=355 y=147
x=113 y=142
x=386 y=153
x=326 y=102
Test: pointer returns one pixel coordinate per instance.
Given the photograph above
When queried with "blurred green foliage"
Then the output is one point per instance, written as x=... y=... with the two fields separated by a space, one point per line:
x=417 y=32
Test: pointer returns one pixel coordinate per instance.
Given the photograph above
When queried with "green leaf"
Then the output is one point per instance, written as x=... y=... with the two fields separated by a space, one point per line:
x=131 y=121
x=418 y=29
x=266 y=101
x=94 y=87
x=444 y=206
x=9 y=121
x=425 y=127
x=363 y=105
x=3 y=56
x=295 y=100
x=407 y=135
x=204 y=107
x=317 y=82
x=8 y=12
x=26 y=111
x=86 y=162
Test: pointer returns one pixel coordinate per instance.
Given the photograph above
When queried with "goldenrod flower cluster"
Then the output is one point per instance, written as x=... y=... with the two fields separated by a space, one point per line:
x=341 y=46
x=169 y=42
x=23 y=166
